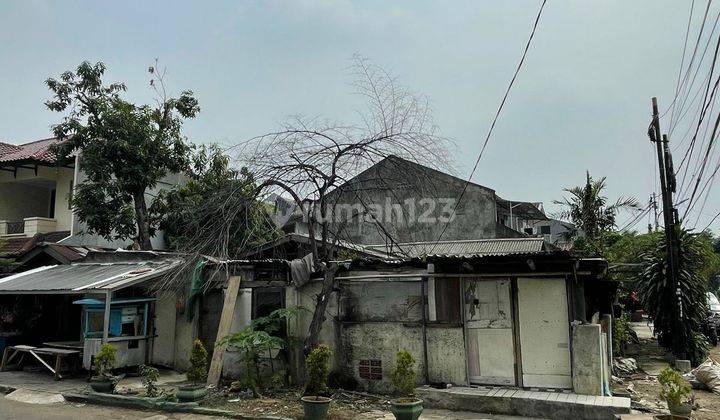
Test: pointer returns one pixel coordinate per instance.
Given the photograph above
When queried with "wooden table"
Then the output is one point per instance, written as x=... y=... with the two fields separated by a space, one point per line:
x=13 y=351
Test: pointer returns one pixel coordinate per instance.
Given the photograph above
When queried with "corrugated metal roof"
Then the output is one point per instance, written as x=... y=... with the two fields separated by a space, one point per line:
x=84 y=277
x=479 y=247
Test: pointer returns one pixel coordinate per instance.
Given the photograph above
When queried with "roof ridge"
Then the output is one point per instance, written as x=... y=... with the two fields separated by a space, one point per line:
x=38 y=141
x=461 y=241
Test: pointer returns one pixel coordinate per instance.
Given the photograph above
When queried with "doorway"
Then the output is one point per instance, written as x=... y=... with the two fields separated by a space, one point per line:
x=489 y=331
x=544 y=332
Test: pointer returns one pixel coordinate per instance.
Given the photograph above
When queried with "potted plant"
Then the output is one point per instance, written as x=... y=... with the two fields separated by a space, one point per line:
x=104 y=363
x=149 y=377
x=676 y=392
x=316 y=402
x=197 y=374
x=406 y=406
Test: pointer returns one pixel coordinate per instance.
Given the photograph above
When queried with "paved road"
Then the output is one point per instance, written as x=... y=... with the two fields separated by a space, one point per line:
x=69 y=411
x=18 y=410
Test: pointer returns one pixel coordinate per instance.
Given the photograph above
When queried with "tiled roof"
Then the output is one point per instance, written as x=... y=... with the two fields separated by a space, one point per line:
x=479 y=247
x=15 y=247
x=38 y=150
x=6 y=148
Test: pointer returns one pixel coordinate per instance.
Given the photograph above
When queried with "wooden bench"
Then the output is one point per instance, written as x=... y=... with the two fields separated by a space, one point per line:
x=13 y=351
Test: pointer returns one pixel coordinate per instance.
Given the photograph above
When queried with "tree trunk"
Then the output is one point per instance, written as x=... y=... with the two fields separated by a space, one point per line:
x=143 y=221
x=313 y=338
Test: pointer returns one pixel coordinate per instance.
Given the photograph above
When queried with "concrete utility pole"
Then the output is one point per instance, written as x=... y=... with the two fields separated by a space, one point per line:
x=670 y=218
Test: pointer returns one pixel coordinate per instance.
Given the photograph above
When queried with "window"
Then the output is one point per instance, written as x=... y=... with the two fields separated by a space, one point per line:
x=126 y=321
x=529 y=231
x=446 y=300
x=267 y=300
x=370 y=369
x=545 y=230
x=52 y=203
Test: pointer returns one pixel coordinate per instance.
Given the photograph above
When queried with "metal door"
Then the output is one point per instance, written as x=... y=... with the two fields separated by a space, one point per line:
x=489 y=332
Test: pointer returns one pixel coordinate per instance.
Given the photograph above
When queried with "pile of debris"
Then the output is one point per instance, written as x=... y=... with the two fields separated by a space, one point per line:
x=706 y=376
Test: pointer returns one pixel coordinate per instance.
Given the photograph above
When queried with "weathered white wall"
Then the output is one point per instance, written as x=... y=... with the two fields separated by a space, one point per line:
x=63 y=213
x=380 y=341
x=185 y=333
x=232 y=363
x=446 y=355
x=587 y=359
x=164 y=344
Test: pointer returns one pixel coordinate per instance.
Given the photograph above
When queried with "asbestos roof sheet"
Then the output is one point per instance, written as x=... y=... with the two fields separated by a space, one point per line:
x=84 y=277
x=37 y=150
x=476 y=247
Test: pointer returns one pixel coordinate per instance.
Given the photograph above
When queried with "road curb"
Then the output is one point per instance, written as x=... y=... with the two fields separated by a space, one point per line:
x=139 y=403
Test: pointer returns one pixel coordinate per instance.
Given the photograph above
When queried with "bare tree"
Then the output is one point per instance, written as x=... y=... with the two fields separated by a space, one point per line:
x=307 y=159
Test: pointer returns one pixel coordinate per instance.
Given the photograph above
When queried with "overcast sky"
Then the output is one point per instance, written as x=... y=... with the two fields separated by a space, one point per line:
x=581 y=102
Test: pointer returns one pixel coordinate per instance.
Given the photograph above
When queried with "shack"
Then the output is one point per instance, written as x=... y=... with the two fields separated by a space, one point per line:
x=508 y=312
x=105 y=298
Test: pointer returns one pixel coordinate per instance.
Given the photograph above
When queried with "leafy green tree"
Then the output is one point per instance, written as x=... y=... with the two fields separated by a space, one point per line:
x=660 y=299
x=588 y=209
x=214 y=192
x=126 y=148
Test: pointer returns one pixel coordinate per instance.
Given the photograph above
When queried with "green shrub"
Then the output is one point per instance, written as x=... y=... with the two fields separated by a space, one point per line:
x=149 y=376
x=698 y=348
x=318 y=367
x=198 y=363
x=105 y=360
x=621 y=334
x=674 y=389
x=259 y=340
x=403 y=375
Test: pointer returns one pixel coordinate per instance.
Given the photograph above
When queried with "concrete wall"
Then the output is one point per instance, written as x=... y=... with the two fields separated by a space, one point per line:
x=381 y=301
x=403 y=192
x=163 y=350
x=446 y=355
x=185 y=333
x=35 y=225
x=587 y=359
x=63 y=212
x=232 y=363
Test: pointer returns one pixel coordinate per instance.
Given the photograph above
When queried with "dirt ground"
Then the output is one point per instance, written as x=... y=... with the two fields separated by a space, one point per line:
x=345 y=405
x=644 y=388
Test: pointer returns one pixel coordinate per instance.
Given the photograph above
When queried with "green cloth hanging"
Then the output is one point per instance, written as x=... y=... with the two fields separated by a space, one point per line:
x=196 y=289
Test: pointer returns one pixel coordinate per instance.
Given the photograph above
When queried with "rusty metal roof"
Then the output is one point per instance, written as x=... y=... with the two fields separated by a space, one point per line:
x=474 y=247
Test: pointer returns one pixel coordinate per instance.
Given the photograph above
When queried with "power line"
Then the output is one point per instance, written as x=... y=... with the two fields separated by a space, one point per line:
x=497 y=114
